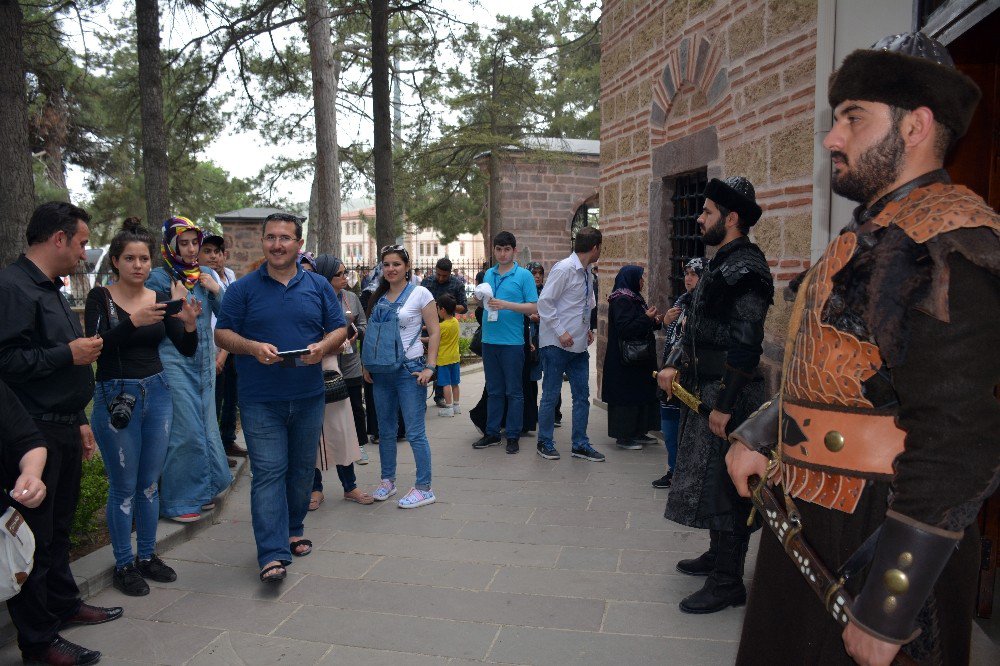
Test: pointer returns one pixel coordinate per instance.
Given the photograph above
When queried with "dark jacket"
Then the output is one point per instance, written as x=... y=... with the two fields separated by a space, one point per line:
x=620 y=384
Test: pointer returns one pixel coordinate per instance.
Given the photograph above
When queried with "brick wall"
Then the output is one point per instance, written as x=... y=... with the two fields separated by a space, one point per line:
x=687 y=84
x=243 y=245
x=539 y=195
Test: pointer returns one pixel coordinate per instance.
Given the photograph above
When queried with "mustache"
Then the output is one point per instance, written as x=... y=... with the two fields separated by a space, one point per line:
x=837 y=155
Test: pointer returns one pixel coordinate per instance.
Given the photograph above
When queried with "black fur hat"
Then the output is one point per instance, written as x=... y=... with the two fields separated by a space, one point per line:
x=736 y=194
x=908 y=70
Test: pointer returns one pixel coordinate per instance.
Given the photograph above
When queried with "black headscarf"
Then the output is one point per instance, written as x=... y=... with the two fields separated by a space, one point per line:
x=326 y=265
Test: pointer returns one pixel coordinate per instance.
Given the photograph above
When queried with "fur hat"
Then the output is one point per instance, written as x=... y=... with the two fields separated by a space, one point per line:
x=737 y=194
x=908 y=70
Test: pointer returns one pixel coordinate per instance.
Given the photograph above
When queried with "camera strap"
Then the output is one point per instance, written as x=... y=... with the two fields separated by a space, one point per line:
x=113 y=322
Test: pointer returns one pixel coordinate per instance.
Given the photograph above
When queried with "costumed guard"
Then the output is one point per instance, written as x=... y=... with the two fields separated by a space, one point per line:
x=717 y=358
x=889 y=426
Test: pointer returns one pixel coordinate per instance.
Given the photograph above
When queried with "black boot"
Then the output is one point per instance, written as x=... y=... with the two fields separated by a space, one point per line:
x=724 y=587
x=704 y=564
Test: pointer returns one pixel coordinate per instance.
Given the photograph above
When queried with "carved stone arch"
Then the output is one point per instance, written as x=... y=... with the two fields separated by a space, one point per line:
x=695 y=63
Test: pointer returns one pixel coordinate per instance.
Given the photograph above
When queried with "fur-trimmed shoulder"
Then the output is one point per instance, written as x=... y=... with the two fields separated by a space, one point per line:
x=938 y=208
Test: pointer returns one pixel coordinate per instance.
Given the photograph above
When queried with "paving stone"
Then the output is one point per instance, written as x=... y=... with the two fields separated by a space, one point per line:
x=657 y=562
x=216 y=551
x=231 y=613
x=334 y=564
x=491 y=514
x=399 y=521
x=238 y=649
x=144 y=641
x=551 y=646
x=454 y=550
x=436 y=602
x=228 y=581
x=564 y=535
x=594 y=559
x=590 y=584
x=383 y=631
x=666 y=619
x=579 y=518
x=432 y=572
x=341 y=654
x=140 y=608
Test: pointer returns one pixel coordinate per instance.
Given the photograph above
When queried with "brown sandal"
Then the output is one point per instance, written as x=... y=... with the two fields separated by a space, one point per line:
x=359 y=496
x=315 y=500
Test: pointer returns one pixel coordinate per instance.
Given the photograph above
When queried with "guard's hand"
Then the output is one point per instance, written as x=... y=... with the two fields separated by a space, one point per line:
x=86 y=350
x=28 y=490
x=743 y=463
x=566 y=340
x=665 y=379
x=266 y=353
x=314 y=356
x=867 y=650
x=717 y=422
x=148 y=314
x=87 y=441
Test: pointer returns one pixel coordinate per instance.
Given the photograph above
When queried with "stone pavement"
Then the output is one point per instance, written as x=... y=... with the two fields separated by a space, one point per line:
x=521 y=561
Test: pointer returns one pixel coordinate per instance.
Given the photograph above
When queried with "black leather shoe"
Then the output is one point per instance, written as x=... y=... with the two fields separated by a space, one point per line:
x=718 y=594
x=155 y=569
x=128 y=580
x=664 y=481
x=61 y=652
x=513 y=446
x=88 y=614
x=486 y=440
x=704 y=564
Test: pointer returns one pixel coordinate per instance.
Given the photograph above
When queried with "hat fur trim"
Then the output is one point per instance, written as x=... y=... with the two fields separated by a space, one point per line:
x=730 y=198
x=907 y=82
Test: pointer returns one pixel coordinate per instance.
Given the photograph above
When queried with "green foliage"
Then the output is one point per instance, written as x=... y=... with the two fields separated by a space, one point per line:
x=93 y=498
x=463 y=347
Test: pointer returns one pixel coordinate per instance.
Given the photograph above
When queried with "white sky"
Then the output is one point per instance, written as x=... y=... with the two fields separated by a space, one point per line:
x=243 y=154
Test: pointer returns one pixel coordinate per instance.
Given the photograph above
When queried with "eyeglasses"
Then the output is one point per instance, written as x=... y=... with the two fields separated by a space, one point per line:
x=394 y=248
x=283 y=240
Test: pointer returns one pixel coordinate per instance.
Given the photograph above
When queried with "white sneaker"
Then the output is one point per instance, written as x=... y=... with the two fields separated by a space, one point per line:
x=416 y=498
x=456 y=408
x=446 y=411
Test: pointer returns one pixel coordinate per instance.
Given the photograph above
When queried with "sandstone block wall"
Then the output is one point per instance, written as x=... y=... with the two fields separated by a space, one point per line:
x=727 y=86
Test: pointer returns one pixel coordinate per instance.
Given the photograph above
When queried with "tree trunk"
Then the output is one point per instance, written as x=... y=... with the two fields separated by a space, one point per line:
x=53 y=127
x=493 y=223
x=154 y=137
x=17 y=187
x=325 y=66
x=385 y=228
x=311 y=236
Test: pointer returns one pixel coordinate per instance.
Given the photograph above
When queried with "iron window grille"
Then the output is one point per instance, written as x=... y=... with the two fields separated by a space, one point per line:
x=685 y=241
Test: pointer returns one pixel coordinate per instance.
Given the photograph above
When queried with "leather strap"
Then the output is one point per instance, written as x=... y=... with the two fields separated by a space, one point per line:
x=841 y=440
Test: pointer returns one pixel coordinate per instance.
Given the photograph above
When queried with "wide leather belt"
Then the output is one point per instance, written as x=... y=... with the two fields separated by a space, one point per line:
x=841 y=441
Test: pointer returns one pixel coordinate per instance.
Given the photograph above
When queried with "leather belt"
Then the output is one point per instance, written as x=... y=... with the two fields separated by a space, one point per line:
x=709 y=363
x=58 y=417
x=843 y=441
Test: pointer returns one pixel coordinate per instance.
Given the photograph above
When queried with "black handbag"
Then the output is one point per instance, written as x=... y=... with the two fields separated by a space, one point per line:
x=637 y=352
x=334 y=386
x=476 y=344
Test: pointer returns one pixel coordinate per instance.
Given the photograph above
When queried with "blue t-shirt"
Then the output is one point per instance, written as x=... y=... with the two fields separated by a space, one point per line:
x=260 y=308
x=517 y=286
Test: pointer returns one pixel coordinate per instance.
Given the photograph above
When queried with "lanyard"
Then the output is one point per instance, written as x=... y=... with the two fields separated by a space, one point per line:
x=499 y=280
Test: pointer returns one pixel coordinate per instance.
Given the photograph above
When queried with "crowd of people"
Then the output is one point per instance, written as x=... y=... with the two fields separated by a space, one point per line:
x=884 y=382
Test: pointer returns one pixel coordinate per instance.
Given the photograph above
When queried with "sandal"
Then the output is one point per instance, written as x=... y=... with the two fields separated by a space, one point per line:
x=315 y=499
x=359 y=496
x=275 y=577
x=294 y=545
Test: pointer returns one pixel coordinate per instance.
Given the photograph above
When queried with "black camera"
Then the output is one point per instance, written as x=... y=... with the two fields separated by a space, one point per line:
x=120 y=410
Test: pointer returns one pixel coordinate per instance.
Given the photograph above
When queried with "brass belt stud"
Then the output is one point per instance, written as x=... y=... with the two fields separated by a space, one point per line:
x=889 y=605
x=896 y=581
x=834 y=441
x=905 y=560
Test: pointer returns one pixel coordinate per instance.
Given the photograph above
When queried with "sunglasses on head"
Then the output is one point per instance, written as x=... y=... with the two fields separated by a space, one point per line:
x=395 y=248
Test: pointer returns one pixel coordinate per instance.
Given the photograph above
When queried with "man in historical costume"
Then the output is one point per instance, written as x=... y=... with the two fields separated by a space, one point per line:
x=717 y=358
x=889 y=422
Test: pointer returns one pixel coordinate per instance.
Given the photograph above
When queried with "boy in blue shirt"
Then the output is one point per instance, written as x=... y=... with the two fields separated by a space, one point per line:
x=514 y=297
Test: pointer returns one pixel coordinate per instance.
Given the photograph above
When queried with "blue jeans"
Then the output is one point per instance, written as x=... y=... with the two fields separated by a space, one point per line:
x=504 y=366
x=670 y=417
x=555 y=362
x=394 y=391
x=281 y=437
x=134 y=459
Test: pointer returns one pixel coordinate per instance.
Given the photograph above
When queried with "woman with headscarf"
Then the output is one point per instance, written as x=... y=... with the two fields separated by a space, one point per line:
x=344 y=434
x=195 y=470
x=630 y=390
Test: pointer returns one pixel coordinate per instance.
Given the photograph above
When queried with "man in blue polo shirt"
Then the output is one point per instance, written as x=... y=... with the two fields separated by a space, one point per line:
x=514 y=296
x=280 y=308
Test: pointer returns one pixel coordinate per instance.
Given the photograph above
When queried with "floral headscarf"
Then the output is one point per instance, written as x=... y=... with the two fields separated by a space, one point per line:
x=187 y=273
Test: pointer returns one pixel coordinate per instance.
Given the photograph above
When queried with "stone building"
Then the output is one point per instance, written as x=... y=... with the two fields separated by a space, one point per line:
x=546 y=191
x=696 y=89
x=241 y=231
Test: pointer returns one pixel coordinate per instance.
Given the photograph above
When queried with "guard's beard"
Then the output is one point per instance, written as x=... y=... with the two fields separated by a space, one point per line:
x=715 y=234
x=877 y=169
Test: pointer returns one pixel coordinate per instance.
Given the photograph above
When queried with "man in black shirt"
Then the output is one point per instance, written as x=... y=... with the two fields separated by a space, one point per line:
x=46 y=361
x=443 y=282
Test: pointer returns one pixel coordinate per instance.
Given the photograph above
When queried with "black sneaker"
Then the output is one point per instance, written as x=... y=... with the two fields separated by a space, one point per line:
x=128 y=580
x=629 y=444
x=513 y=446
x=664 y=481
x=646 y=439
x=155 y=569
x=588 y=453
x=486 y=440
x=61 y=651
x=548 y=451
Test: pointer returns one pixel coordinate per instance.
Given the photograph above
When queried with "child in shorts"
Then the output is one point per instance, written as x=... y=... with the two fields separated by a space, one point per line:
x=448 y=356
